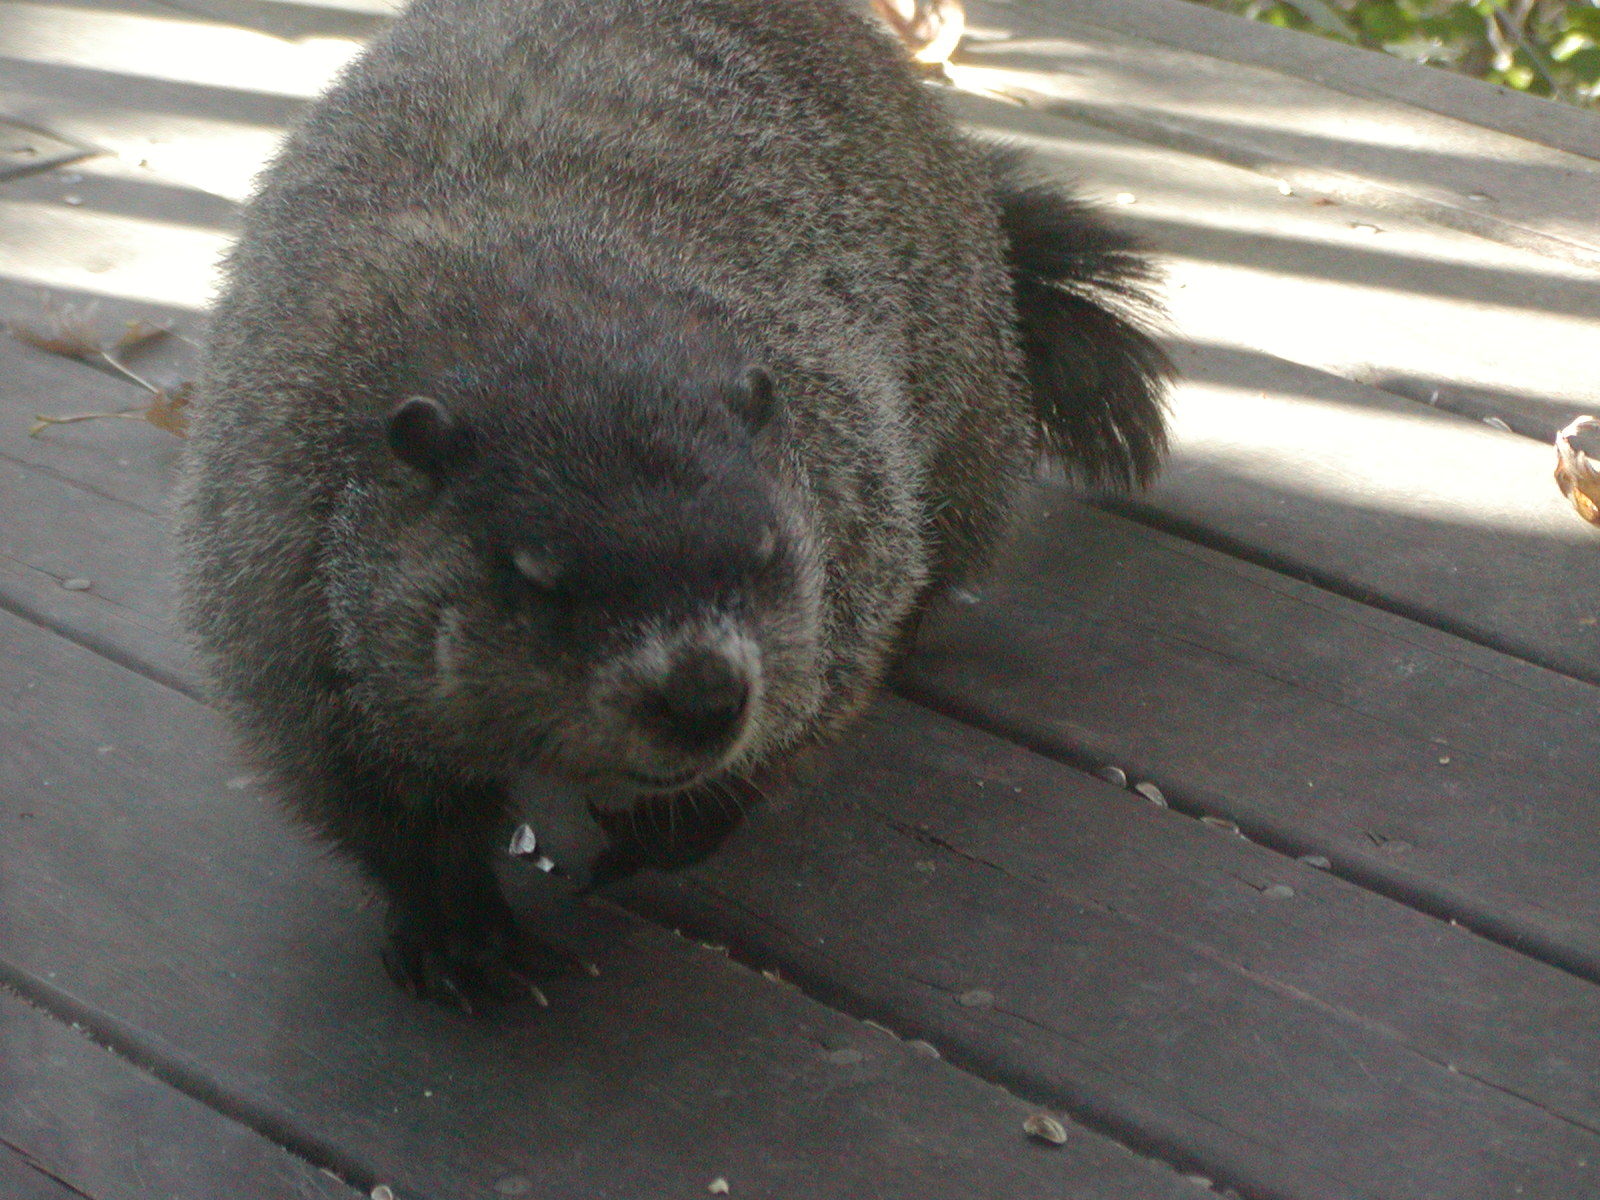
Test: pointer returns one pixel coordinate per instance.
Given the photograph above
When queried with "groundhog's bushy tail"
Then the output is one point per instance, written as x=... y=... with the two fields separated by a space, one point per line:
x=1085 y=308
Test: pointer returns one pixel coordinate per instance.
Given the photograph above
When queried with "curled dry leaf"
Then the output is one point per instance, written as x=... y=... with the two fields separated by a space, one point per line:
x=166 y=411
x=170 y=410
x=931 y=29
x=71 y=335
x=1578 y=467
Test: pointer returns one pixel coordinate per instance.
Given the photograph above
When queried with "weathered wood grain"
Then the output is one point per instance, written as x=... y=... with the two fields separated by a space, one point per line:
x=1448 y=170
x=155 y=892
x=1434 y=770
x=1356 y=72
x=82 y=1122
x=1158 y=975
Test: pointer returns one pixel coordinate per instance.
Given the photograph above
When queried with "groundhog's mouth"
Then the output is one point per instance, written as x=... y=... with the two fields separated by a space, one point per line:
x=670 y=831
x=665 y=783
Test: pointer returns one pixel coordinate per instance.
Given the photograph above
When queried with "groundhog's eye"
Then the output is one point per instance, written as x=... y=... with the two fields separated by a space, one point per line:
x=524 y=577
x=543 y=573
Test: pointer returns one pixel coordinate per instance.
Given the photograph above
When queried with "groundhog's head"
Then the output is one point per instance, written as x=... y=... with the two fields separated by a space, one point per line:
x=605 y=573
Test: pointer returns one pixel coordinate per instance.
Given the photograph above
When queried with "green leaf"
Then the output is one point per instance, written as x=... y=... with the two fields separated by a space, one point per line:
x=1383 y=22
x=1583 y=18
x=1584 y=65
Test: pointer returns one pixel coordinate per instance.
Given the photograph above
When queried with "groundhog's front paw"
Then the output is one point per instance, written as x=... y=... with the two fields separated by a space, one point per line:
x=470 y=968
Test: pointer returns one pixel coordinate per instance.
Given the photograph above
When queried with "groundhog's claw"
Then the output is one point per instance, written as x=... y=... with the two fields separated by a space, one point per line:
x=468 y=972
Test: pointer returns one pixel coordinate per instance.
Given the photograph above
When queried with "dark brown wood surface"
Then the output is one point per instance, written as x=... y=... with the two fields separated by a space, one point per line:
x=75 y=1120
x=155 y=897
x=1354 y=952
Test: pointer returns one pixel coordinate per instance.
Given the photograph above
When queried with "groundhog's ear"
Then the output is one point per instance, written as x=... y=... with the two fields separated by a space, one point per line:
x=424 y=435
x=755 y=401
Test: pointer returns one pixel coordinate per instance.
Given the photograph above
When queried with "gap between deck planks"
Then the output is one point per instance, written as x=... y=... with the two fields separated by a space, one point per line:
x=75 y=1120
x=1143 y=975
x=146 y=885
x=1449 y=170
x=1130 y=622
x=1101 y=563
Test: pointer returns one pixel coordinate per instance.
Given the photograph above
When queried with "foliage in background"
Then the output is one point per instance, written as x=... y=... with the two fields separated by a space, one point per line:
x=1546 y=47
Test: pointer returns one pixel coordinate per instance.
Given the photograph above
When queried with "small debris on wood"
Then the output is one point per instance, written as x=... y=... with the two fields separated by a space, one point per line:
x=1114 y=775
x=718 y=1187
x=1277 y=891
x=1578 y=467
x=1045 y=1128
x=976 y=998
x=71 y=336
x=1151 y=793
x=930 y=29
x=76 y=585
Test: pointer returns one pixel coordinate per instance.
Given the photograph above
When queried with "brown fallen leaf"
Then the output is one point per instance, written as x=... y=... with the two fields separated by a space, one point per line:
x=931 y=29
x=72 y=335
x=1578 y=467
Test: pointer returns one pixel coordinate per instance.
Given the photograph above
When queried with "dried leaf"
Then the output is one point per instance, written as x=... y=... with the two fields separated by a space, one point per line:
x=137 y=333
x=931 y=29
x=167 y=411
x=170 y=410
x=41 y=422
x=71 y=338
x=1578 y=467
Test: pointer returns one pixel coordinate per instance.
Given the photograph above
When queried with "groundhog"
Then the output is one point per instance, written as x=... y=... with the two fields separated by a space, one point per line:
x=601 y=391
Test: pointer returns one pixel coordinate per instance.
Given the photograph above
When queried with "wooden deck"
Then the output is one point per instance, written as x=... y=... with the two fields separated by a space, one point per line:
x=1351 y=638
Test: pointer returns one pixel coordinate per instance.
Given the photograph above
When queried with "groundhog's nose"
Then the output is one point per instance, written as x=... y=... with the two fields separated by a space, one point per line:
x=703 y=700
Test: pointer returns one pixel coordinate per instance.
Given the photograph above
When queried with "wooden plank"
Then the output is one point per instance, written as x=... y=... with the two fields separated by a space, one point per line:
x=86 y=503
x=1387 y=300
x=1436 y=771
x=1392 y=156
x=171 y=48
x=81 y=1122
x=24 y=151
x=229 y=952
x=1295 y=1035
x=1349 y=69
x=1433 y=516
x=21 y=1181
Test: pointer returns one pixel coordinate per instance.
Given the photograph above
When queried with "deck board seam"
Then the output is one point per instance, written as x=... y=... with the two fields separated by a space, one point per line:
x=1094 y=1113
x=149 y=1054
x=1224 y=543
x=101 y=647
x=33 y=1164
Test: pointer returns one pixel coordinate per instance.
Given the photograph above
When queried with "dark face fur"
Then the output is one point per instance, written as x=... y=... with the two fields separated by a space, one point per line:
x=604 y=583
